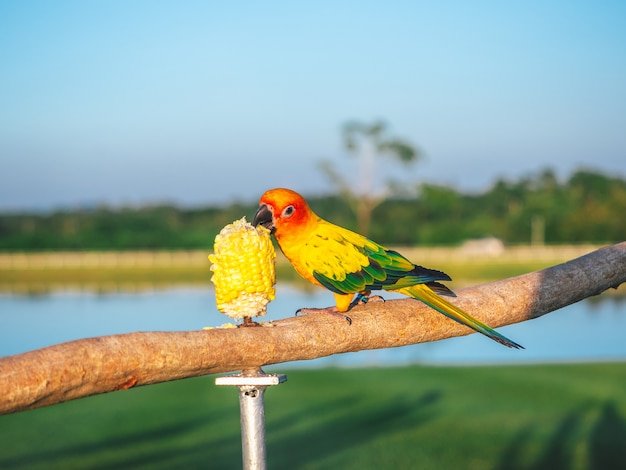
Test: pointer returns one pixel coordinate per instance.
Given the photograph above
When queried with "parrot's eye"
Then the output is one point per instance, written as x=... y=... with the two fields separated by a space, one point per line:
x=288 y=212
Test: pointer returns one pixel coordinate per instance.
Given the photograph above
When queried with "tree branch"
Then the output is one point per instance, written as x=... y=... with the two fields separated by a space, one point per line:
x=97 y=365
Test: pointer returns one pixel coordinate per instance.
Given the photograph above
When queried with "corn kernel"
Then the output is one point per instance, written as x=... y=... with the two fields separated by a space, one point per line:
x=243 y=270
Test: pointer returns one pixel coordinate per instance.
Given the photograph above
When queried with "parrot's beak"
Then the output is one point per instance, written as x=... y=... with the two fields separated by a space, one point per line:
x=264 y=217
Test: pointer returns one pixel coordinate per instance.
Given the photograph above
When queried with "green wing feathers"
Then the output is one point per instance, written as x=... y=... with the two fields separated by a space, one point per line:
x=430 y=298
x=346 y=262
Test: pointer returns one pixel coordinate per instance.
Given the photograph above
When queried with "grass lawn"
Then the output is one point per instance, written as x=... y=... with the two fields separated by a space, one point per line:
x=111 y=271
x=516 y=417
x=35 y=280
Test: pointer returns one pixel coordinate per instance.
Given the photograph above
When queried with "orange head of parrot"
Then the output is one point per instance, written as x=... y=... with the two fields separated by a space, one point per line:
x=284 y=212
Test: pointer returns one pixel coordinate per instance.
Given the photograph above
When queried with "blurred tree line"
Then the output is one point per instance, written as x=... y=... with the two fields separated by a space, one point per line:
x=588 y=207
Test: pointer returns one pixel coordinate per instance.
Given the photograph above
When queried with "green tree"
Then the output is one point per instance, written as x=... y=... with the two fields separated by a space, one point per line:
x=369 y=142
x=587 y=207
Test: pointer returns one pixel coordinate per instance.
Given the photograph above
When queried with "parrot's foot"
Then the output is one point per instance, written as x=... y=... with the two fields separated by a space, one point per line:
x=328 y=310
x=365 y=297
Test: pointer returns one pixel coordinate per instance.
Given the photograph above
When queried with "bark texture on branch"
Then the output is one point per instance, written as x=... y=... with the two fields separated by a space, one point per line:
x=97 y=365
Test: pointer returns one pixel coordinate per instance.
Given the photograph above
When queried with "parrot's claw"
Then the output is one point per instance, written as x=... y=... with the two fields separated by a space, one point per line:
x=328 y=310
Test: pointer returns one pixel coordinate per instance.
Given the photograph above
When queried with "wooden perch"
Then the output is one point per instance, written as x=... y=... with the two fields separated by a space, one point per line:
x=97 y=365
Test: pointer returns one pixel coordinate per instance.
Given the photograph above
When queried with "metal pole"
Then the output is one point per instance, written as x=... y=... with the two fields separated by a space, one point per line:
x=252 y=385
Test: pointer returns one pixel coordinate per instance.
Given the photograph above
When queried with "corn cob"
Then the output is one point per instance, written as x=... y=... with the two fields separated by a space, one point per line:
x=243 y=270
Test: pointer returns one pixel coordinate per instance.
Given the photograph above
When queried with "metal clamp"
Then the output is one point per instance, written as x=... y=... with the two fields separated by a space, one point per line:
x=252 y=385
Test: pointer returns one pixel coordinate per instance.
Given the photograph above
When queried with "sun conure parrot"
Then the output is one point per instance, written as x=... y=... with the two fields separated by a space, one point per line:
x=347 y=263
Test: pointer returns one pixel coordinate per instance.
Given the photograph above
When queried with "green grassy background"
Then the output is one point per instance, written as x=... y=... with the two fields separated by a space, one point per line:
x=36 y=279
x=514 y=417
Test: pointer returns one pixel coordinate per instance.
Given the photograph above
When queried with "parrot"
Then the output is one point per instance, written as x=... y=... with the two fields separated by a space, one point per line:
x=350 y=265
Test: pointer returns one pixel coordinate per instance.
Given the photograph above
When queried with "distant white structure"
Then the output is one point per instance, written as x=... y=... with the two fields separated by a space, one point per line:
x=489 y=246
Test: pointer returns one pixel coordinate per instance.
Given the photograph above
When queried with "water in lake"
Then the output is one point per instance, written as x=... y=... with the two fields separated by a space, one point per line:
x=587 y=331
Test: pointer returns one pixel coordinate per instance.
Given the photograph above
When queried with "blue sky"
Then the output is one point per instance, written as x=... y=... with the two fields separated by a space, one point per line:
x=132 y=102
